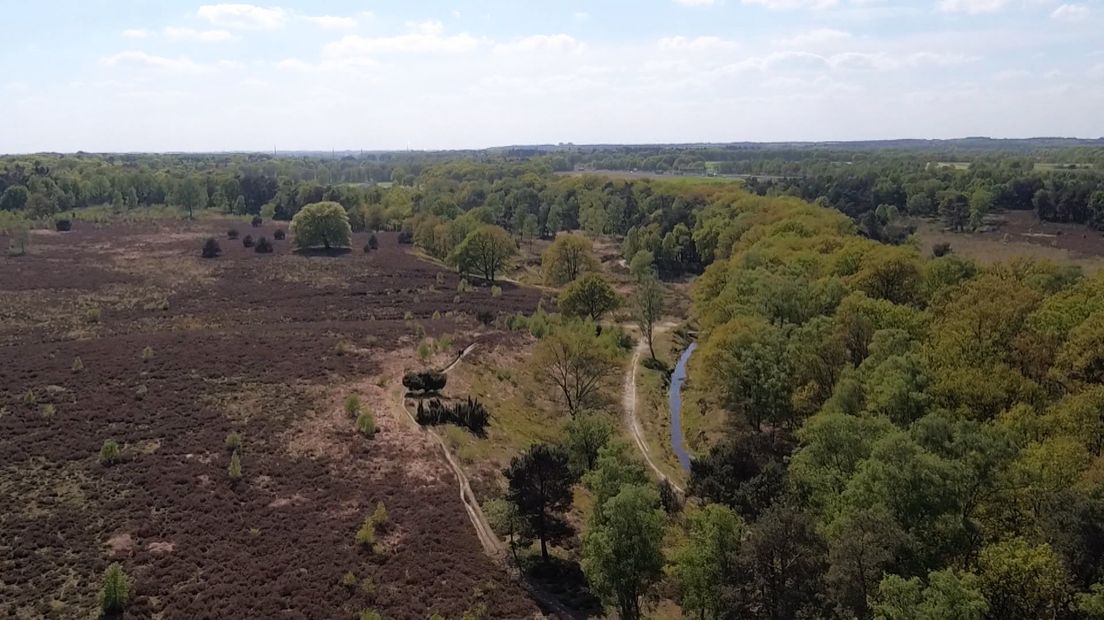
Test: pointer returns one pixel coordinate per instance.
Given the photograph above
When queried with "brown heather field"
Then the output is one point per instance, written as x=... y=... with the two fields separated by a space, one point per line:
x=175 y=353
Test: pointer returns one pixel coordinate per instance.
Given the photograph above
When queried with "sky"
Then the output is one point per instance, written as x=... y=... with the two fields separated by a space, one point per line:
x=174 y=75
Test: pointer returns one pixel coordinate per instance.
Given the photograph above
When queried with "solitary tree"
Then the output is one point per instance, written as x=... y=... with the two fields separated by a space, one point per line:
x=567 y=258
x=589 y=297
x=573 y=360
x=540 y=487
x=324 y=224
x=648 y=307
x=486 y=251
x=586 y=435
x=621 y=553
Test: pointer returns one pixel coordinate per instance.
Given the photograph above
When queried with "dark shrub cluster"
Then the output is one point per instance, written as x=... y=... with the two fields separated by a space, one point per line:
x=247 y=241
x=232 y=233
x=485 y=317
x=211 y=248
x=406 y=237
x=373 y=244
x=63 y=225
x=257 y=221
x=471 y=414
x=941 y=249
x=263 y=246
x=279 y=234
x=424 y=381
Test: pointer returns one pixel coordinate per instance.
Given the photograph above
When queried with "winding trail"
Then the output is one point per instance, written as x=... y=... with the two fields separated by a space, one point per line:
x=492 y=544
x=629 y=402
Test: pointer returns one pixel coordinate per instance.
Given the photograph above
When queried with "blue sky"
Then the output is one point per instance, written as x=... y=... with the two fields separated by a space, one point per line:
x=141 y=75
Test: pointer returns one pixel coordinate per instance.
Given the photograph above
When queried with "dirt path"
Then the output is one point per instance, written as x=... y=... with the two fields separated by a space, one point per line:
x=492 y=544
x=629 y=400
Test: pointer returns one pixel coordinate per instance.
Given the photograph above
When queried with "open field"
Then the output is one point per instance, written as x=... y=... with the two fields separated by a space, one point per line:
x=123 y=332
x=1021 y=234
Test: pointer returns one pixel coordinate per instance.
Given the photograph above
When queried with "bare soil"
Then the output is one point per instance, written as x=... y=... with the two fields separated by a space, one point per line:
x=175 y=352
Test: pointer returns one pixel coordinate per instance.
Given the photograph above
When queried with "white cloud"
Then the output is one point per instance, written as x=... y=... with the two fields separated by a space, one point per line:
x=134 y=57
x=136 y=33
x=580 y=16
x=696 y=2
x=243 y=16
x=191 y=34
x=971 y=7
x=1071 y=12
x=696 y=44
x=819 y=36
x=782 y=5
x=423 y=38
x=332 y=21
x=559 y=43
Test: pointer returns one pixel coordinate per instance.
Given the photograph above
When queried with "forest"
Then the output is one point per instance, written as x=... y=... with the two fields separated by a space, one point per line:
x=906 y=436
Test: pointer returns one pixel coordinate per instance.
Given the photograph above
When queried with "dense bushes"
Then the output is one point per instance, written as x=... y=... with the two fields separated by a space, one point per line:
x=471 y=414
x=247 y=241
x=232 y=234
x=63 y=225
x=279 y=235
x=263 y=246
x=256 y=221
x=406 y=237
x=424 y=381
x=211 y=248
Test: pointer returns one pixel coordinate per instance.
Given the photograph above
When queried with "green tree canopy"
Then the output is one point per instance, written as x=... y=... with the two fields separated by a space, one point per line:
x=567 y=258
x=486 y=251
x=589 y=297
x=322 y=224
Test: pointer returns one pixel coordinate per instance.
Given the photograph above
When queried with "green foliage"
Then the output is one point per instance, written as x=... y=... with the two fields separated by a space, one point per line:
x=589 y=297
x=77 y=365
x=947 y=594
x=352 y=405
x=539 y=486
x=370 y=614
x=706 y=563
x=1021 y=580
x=321 y=224
x=233 y=441
x=109 y=452
x=567 y=258
x=585 y=436
x=234 y=471
x=114 y=590
x=573 y=360
x=366 y=424
x=486 y=251
x=622 y=557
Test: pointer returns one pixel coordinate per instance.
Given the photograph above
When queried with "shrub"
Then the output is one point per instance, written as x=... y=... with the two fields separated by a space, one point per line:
x=233 y=441
x=471 y=414
x=379 y=515
x=321 y=224
x=78 y=365
x=406 y=237
x=256 y=221
x=424 y=381
x=366 y=424
x=941 y=249
x=370 y=614
x=366 y=535
x=496 y=291
x=115 y=590
x=485 y=317
x=348 y=579
x=669 y=498
x=408 y=316
x=63 y=225
x=93 y=315
x=234 y=471
x=109 y=453
x=147 y=353
x=141 y=391
x=352 y=405
x=247 y=241
x=48 y=411
x=211 y=248
x=29 y=397
x=263 y=246
x=232 y=233
x=279 y=234
x=373 y=243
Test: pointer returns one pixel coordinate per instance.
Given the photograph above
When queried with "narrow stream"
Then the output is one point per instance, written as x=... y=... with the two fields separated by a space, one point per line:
x=678 y=377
